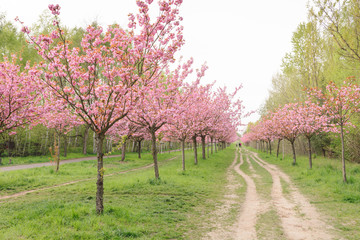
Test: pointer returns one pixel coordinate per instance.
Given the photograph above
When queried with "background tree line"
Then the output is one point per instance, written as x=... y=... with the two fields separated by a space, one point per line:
x=325 y=48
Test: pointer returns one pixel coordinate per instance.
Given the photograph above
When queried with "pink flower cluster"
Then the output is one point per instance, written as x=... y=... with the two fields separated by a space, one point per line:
x=55 y=9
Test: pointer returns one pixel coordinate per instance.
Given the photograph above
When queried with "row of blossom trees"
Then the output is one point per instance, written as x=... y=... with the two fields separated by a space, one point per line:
x=120 y=83
x=328 y=110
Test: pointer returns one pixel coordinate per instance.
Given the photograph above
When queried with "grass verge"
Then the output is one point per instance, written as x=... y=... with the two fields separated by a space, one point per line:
x=136 y=205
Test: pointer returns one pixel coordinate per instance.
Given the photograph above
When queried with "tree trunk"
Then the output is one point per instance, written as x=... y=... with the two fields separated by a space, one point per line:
x=215 y=146
x=139 y=149
x=310 y=157
x=278 y=148
x=266 y=145
x=183 y=154
x=294 y=154
x=270 y=146
x=203 y=146
x=212 y=139
x=207 y=146
x=85 y=139
x=123 y=150
x=58 y=154
x=343 y=152
x=195 y=150
x=154 y=153
x=100 y=174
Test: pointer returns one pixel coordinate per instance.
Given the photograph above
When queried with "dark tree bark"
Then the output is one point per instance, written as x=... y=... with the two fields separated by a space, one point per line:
x=294 y=154
x=183 y=154
x=100 y=174
x=343 y=152
x=154 y=153
x=269 y=142
x=195 y=149
x=212 y=139
x=123 y=150
x=58 y=153
x=207 y=147
x=203 y=147
x=310 y=157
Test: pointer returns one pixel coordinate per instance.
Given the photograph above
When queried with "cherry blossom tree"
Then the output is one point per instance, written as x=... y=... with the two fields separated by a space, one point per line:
x=102 y=80
x=288 y=124
x=181 y=128
x=160 y=103
x=340 y=103
x=122 y=132
x=20 y=96
x=312 y=121
x=62 y=120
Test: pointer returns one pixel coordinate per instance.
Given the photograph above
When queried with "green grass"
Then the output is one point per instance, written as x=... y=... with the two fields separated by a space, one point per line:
x=41 y=159
x=263 y=181
x=268 y=226
x=21 y=180
x=136 y=205
x=325 y=189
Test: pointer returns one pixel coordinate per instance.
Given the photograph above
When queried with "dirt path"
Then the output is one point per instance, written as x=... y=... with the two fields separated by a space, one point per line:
x=47 y=164
x=295 y=217
x=218 y=221
x=78 y=181
x=300 y=220
x=247 y=219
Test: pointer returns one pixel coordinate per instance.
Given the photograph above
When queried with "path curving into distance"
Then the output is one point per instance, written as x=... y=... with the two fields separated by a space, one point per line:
x=299 y=219
x=295 y=218
x=247 y=220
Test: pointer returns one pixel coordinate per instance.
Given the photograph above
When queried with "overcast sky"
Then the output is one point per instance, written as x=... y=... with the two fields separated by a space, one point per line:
x=242 y=42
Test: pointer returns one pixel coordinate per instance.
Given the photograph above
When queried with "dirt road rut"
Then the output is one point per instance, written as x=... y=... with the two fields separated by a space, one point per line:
x=296 y=218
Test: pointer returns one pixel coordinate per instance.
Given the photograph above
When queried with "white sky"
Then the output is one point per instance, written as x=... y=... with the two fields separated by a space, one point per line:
x=242 y=41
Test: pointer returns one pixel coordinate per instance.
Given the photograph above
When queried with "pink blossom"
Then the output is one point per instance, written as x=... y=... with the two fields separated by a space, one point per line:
x=55 y=9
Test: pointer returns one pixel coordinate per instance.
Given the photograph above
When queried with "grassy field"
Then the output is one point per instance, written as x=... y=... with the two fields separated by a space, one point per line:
x=325 y=189
x=136 y=205
x=21 y=180
x=46 y=158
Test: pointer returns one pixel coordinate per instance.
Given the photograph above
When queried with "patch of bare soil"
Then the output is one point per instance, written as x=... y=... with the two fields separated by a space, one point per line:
x=220 y=230
x=300 y=220
x=244 y=227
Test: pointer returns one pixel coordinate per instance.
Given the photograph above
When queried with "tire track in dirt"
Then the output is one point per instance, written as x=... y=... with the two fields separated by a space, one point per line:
x=218 y=216
x=300 y=220
x=250 y=208
x=77 y=181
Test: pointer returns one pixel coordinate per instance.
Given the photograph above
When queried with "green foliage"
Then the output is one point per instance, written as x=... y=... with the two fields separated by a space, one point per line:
x=325 y=48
